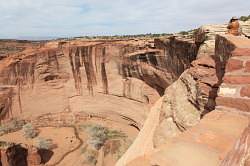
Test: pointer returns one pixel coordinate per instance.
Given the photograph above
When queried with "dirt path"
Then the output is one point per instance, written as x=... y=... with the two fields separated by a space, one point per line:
x=71 y=151
x=144 y=141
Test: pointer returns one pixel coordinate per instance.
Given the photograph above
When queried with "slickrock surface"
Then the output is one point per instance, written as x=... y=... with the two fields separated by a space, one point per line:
x=205 y=144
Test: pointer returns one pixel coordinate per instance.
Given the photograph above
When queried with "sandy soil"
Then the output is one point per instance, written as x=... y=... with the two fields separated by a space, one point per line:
x=64 y=138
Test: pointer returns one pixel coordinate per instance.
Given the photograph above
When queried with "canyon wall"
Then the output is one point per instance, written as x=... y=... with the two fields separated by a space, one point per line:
x=179 y=53
x=66 y=76
x=161 y=66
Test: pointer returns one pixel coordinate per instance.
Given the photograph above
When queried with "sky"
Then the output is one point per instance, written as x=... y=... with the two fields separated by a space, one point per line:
x=69 y=18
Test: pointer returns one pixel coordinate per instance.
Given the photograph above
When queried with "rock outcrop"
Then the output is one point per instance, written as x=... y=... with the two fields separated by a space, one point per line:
x=188 y=99
x=205 y=36
x=193 y=95
x=221 y=136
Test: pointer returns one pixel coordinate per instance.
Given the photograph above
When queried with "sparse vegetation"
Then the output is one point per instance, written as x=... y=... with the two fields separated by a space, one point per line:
x=99 y=135
x=183 y=33
x=91 y=157
x=113 y=141
x=4 y=144
x=245 y=18
x=12 y=126
x=43 y=143
x=112 y=37
x=122 y=149
x=29 y=131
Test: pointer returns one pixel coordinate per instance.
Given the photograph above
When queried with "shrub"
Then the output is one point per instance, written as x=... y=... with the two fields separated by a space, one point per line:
x=29 y=131
x=99 y=135
x=84 y=149
x=11 y=126
x=46 y=144
x=245 y=18
x=91 y=157
x=4 y=144
x=122 y=149
x=183 y=33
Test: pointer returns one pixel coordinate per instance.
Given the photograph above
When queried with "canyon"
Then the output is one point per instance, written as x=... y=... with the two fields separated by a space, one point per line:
x=182 y=99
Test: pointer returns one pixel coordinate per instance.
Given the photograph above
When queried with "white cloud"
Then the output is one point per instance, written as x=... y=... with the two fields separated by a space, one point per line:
x=88 y=17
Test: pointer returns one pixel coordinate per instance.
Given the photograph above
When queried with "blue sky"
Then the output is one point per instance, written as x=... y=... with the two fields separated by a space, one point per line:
x=61 y=18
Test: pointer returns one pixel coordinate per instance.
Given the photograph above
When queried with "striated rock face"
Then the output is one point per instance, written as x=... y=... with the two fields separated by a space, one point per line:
x=6 y=95
x=188 y=99
x=160 y=67
x=61 y=74
x=148 y=66
x=178 y=54
x=66 y=78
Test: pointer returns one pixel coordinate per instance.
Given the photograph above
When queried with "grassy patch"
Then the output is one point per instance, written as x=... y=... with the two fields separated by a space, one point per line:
x=43 y=143
x=29 y=131
x=91 y=157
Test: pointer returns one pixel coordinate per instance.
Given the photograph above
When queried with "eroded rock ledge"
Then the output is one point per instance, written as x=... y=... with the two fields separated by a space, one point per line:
x=225 y=127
